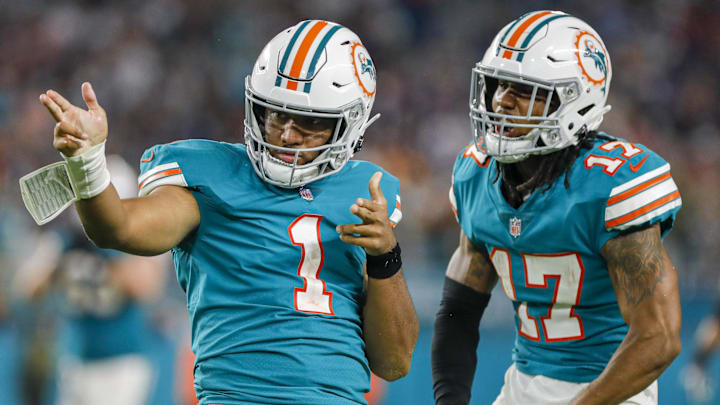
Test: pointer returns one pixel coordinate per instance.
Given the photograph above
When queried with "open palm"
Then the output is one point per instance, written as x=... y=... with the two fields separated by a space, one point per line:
x=77 y=129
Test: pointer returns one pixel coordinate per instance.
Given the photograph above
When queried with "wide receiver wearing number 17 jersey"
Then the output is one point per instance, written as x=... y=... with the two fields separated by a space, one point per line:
x=291 y=300
x=568 y=219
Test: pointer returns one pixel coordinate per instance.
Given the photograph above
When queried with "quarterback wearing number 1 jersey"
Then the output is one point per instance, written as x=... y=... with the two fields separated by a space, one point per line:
x=292 y=273
x=284 y=246
x=273 y=294
x=547 y=251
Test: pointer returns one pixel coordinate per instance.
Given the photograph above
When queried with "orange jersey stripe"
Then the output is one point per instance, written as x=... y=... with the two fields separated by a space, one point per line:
x=303 y=51
x=637 y=189
x=643 y=210
x=518 y=32
x=158 y=175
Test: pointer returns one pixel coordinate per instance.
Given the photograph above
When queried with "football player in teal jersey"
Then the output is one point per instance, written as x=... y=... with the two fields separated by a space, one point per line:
x=284 y=246
x=569 y=219
x=102 y=300
x=697 y=376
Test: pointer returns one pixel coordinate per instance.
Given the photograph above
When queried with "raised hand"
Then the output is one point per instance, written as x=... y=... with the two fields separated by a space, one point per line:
x=375 y=233
x=77 y=129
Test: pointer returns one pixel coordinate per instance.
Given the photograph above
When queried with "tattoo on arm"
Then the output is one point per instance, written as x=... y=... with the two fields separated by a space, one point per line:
x=481 y=270
x=470 y=265
x=636 y=262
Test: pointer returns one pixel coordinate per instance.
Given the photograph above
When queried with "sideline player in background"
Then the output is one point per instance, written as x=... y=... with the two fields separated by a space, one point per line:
x=570 y=220
x=696 y=379
x=104 y=298
x=290 y=301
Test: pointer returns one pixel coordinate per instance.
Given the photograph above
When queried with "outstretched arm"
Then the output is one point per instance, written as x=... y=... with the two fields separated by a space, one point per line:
x=646 y=286
x=390 y=324
x=146 y=226
x=470 y=277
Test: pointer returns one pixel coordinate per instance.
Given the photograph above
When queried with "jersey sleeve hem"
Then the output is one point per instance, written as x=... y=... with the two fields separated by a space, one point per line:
x=165 y=174
x=396 y=215
x=644 y=199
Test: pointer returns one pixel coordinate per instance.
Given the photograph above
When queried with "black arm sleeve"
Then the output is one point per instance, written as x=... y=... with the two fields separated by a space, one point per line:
x=454 y=342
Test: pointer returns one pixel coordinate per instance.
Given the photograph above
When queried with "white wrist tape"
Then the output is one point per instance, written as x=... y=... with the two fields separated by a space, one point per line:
x=88 y=172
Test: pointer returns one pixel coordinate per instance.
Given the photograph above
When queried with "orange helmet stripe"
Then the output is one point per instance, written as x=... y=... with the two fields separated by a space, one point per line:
x=303 y=51
x=519 y=31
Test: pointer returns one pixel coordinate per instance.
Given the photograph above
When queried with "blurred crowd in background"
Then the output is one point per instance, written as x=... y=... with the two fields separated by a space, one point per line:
x=174 y=69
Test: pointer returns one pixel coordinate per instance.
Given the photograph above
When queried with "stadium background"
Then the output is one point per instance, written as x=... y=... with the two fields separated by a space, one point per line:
x=170 y=69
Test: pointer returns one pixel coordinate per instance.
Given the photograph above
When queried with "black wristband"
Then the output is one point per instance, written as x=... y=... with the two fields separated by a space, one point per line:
x=385 y=265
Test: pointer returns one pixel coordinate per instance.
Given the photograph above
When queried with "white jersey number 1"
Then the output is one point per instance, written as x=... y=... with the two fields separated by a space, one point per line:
x=313 y=297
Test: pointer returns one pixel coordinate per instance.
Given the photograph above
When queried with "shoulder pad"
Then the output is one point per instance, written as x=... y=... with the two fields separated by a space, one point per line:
x=633 y=181
x=184 y=163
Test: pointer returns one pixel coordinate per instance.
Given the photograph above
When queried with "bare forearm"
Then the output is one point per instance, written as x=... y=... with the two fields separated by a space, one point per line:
x=639 y=361
x=144 y=226
x=108 y=222
x=390 y=327
x=103 y=218
x=645 y=283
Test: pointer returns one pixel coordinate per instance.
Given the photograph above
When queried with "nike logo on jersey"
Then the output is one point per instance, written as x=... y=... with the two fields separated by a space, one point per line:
x=152 y=155
x=637 y=167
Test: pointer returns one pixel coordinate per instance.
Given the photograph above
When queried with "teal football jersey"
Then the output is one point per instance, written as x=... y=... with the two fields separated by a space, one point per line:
x=97 y=320
x=547 y=251
x=274 y=296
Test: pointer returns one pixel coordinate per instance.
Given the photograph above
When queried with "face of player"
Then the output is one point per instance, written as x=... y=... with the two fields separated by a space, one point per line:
x=296 y=131
x=514 y=99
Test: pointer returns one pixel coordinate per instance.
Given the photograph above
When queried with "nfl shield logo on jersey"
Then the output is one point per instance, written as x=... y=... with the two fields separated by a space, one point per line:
x=515 y=226
x=306 y=194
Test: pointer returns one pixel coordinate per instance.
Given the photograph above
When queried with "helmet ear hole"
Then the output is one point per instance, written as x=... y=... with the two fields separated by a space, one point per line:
x=584 y=110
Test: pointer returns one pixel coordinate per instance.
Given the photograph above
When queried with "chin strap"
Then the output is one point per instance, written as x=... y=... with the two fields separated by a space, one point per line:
x=363 y=127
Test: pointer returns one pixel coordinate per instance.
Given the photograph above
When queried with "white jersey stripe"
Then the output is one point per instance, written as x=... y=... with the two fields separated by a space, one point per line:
x=453 y=201
x=157 y=169
x=656 y=212
x=634 y=182
x=639 y=200
x=171 y=180
x=397 y=213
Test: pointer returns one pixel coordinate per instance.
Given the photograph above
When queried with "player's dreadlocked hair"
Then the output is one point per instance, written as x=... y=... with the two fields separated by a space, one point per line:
x=551 y=167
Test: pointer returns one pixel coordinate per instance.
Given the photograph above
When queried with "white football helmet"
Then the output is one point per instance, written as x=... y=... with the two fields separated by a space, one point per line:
x=319 y=69
x=556 y=54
